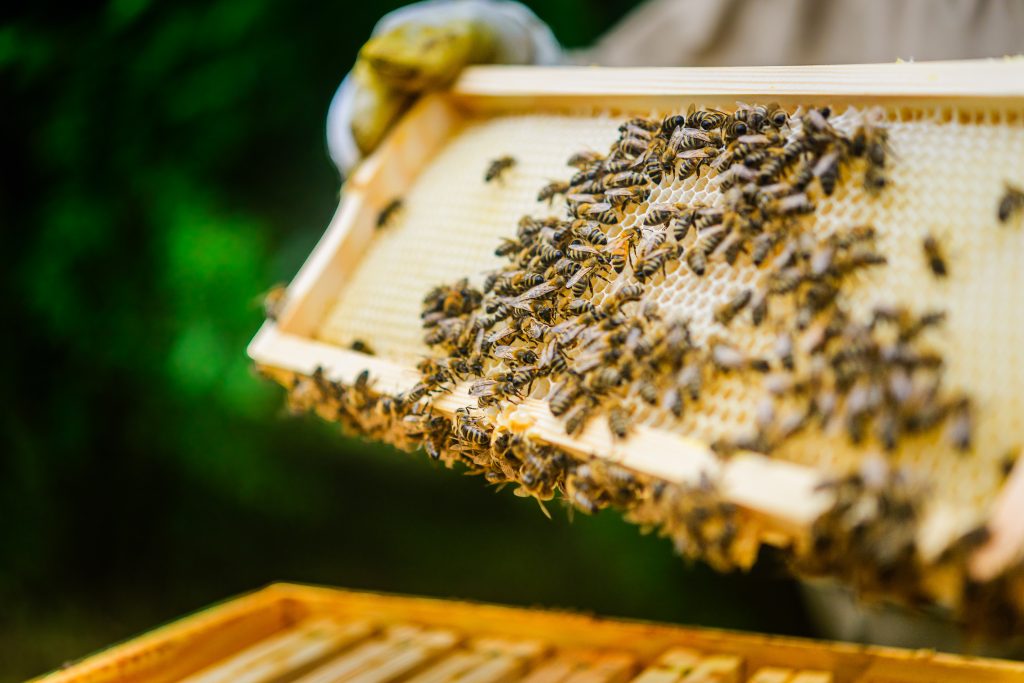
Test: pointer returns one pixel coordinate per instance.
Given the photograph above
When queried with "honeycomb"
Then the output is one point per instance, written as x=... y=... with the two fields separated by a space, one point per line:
x=946 y=176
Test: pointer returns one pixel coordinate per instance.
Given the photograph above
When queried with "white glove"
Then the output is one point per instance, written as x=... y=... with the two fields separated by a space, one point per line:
x=376 y=91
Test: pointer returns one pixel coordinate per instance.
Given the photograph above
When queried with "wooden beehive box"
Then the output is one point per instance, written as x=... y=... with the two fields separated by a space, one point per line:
x=957 y=133
x=301 y=633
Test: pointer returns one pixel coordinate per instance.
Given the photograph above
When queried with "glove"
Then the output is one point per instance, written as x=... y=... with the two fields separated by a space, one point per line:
x=423 y=47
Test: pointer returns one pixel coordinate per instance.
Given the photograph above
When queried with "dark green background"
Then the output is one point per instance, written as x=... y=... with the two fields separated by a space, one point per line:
x=164 y=164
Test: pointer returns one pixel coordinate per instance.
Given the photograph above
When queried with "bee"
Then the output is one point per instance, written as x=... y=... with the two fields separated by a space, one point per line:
x=763 y=244
x=590 y=231
x=705 y=119
x=619 y=421
x=360 y=346
x=626 y=179
x=697 y=260
x=789 y=206
x=933 y=254
x=725 y=312
x=961 y=424
x=618 y=254
x=649 y=263
x=759 y=307
x=490 y=392
x=497 y=168
x=579 y=251
x=584 y=159
x=274 y=302
x=577 y=417
x=521 y=356
x=659 y=214
x=875 y=180
x=784 y=349
x=564 y=395
x=826 y=170
x=1011 y=203
x=728 y=358
x=777 y=116
x=734 y=128
x=552 y=189
x=388 y=212
x=627 y=293
x=601 y=212
x=731 y=246
x=856 y=234
x=647 y=125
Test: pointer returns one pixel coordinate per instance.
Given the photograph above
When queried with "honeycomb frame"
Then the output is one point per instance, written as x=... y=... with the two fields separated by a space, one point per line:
x=781 y=499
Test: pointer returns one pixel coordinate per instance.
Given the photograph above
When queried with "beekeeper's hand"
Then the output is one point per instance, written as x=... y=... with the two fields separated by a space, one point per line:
x=423 y=47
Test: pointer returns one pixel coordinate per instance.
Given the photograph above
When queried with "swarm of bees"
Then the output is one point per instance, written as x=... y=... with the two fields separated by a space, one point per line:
x=568 y=317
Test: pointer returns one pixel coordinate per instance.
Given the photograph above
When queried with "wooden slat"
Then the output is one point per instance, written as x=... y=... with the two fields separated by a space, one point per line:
x=285 y=652
x=368 y=657
x=716 y=669
x=670 y=667
x=771 y=674
x=515 y=87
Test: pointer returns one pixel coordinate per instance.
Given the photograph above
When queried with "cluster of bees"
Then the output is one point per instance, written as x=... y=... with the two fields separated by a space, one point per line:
x=535 y=320
x=568 y=317
x=698 y=521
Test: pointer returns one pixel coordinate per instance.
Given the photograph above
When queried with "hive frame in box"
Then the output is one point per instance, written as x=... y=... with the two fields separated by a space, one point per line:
x=218 y=633
x=782 y=498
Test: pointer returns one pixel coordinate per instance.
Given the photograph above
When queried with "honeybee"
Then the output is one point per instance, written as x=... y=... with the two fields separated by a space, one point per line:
x=734 y=128
x=579 y=251
x=601 y=212
x=728 y=358
x=565 y=395
x=725 y=312
x=274 y=302
x=619 y=421
x=697 y=260
x=388 y=212
x=1011 y=203
x=789 y=206
x=521 y=356
x=589 y=231
x=584 y=159
x=626 y=179
x=360 y=346
x=649 y=263
x=759 y=307
x=659 y=214
x=577 y=417
x=704 y=119
x=826 y=170
x=497 y=168
x=961 y=424
x=933 y=254
x=552 y=189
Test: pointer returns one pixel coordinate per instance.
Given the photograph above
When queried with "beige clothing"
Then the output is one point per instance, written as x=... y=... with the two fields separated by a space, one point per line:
x=781 y=32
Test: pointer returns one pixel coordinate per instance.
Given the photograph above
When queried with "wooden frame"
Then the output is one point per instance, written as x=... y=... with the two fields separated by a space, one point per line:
x=214 y=634
x=781 y=496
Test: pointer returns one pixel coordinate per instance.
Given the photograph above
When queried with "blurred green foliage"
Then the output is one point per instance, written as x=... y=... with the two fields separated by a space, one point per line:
x=165 y=165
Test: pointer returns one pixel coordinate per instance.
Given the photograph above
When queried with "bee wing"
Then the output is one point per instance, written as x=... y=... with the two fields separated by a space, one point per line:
x=483 y=387
x=694 y=154
x=577 y=276
x=754 y=139
x=540 y=290
x=581 y=246
x=500 y=333
x=503 y=352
